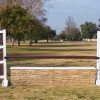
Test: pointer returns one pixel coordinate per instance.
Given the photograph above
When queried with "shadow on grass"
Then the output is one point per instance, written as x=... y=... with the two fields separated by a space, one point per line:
x=52 y=50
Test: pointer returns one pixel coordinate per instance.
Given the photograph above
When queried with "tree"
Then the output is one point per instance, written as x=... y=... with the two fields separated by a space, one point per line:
x=13 y=18
x=48 y=33
x=34 y=7
x=88 y=29
x=37 y=30
x=71 y=30
x=52 y=34
x=99 y=24
x=20 y=24
x=62 y=35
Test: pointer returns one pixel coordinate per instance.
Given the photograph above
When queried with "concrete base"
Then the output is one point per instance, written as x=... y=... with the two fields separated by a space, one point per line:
x=5 y=83
x=97 y=83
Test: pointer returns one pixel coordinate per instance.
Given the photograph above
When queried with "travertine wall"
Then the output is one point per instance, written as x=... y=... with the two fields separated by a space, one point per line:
x=68 y=76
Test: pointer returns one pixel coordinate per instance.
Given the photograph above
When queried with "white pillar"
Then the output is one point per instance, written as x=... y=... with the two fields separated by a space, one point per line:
x=5 y=81
x=98 y=60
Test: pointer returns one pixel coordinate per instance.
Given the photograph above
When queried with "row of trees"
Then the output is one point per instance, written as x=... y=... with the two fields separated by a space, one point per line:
x=35 y=7
x=23 y=25
x=25 y=20
x=73 y=33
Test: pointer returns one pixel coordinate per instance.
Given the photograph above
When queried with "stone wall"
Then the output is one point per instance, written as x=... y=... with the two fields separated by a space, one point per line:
x=53 y=75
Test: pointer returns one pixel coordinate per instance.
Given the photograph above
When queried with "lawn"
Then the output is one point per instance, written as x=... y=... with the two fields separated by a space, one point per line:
x=50 y=93
x=45 y=92
x=66 y=48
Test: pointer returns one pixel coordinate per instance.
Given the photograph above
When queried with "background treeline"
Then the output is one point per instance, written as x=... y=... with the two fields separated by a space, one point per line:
x=23 y=23
x=25 y=20
x=72 y=32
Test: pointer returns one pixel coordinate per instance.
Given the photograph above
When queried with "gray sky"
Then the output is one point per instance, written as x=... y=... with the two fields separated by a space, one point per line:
x=80 y=10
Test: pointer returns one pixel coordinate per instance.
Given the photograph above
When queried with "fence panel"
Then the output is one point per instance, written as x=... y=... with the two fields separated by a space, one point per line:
x=3 y=66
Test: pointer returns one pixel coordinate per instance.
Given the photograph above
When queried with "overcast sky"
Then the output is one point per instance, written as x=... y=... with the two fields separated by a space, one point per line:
x=80 y=10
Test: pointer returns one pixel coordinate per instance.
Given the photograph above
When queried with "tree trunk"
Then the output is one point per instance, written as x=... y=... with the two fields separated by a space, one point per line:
x=51 y=38
x=18 y=42
x=12 y=41
x=47 y=40
x=24 y=40
x=30 y=44
x=36 y=41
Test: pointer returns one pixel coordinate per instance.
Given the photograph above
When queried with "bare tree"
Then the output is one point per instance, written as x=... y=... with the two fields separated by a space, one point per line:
x=70 y=25
x=35 y=7
x=6 y=1
x=71 y=29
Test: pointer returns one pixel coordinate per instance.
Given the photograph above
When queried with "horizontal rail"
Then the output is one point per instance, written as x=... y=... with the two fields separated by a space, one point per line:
x=1 y=62
x=1 y=76
x=53 y=68
x=1 y=31
x=51 y=57
x=1 y=47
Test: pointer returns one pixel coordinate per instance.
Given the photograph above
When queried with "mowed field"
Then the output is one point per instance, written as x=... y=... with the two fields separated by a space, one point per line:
x=51 y=49
x=52 y=92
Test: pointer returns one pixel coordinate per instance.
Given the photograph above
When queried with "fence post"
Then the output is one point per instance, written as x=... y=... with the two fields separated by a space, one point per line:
x=98 y=60
x=5 y=81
